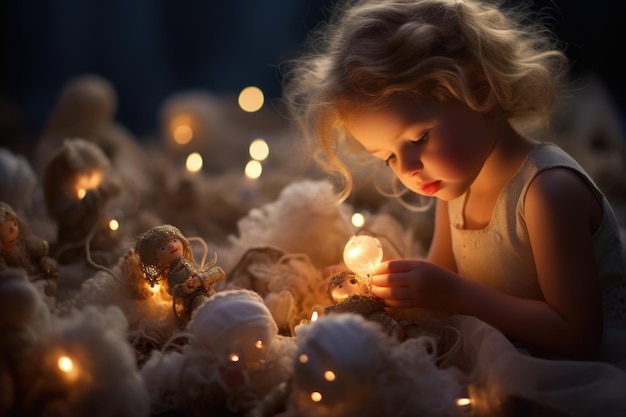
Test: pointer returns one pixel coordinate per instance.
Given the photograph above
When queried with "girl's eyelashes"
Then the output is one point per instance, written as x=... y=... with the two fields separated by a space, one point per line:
x=419 y=141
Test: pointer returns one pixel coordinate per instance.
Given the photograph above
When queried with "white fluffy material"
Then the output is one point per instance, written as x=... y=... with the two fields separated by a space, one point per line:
x=304 y=219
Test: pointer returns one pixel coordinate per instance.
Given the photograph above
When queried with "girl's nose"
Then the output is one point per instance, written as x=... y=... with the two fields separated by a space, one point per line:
x=410 y=164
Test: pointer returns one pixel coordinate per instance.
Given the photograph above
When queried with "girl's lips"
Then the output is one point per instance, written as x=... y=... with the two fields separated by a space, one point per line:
x=431 y=187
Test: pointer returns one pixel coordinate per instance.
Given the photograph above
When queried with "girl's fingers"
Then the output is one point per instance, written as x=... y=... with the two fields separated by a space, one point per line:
x=392 y=293
x=396 y=265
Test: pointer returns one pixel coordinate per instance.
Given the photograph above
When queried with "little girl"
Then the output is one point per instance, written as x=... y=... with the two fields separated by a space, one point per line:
x=438 y=90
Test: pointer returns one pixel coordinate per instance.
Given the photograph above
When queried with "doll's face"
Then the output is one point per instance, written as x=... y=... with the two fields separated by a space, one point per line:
x=9 y=232
x=169 y=251
x=349 y=286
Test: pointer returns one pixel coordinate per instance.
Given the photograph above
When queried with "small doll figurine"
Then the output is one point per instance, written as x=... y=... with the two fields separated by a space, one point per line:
x=21 y=250
x=166 y=254
x=78 y=183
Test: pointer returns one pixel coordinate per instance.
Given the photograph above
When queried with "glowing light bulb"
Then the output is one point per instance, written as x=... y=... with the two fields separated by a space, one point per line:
x=462 y=402
x=194 y=162
x=316 y=396
x=114 y=224
x=253 y=169
x=259 y=149
x=358 y=220
x=362 y=254
x=251 y=99
x=65 y=364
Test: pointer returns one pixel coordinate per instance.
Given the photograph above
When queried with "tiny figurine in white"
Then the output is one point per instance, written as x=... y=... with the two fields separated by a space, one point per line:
x=166 y=254
x=21 y=250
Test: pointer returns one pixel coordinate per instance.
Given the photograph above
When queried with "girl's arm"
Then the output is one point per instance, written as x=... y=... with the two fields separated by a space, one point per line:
x=561 y=215
x=440 y=251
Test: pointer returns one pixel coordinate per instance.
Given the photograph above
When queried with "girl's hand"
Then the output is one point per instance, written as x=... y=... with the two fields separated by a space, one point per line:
x=414 y=283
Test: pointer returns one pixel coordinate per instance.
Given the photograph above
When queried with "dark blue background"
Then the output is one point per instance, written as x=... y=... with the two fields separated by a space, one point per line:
x=150 y=49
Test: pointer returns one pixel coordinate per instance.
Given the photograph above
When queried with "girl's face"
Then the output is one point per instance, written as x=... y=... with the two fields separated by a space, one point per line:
x=169 y=251
x=434 y=149
x=9 y=232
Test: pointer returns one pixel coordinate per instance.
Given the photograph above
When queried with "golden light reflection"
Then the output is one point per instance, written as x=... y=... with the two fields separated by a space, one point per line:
x=155 y=289
x=194 y=162
x=259 y=149
x=253 y=169
x=251 y=99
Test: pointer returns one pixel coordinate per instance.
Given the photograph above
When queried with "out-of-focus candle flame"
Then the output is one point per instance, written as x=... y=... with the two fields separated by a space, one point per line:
x=358 y=220
x=65 y=364
x=194 y=162
x=253 y=169
x=114 y=224
x=362 y=254
x=316 y=396
x=259 y=149
x=251 y=99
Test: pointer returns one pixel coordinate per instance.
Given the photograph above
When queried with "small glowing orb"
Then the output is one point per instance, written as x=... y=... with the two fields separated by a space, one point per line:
x=303 y=358
x=329 y=376
x=234 y=357
x=358 y=220
x=65 y=364
x=194 y=162
x=154 y=289
x=182 y=134
x=87 y=181
x=251 y=99
x=259 y=149
x=461 y=402
x=258 y=344
x=114 y=224
x=253 y=169
x=362 y=254
x=316 y=396
x=314 y=315
x=80 y=193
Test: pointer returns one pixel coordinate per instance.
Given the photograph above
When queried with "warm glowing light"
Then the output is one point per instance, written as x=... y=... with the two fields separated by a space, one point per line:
x=303 y=358
x=462 y=402
x=314 y=315
x=181 y=128
x=65 y=364
x=114 y=224
x=253 y=169
x=259 y=149
x=316 y=396
x=154 y=289
x=182 y=134
x=358 y=220
x=251 y=99
x=258 y=344
x=194 y=162
x=362 y=254
x=87 y=181
x=329 y=376
x=234 y=357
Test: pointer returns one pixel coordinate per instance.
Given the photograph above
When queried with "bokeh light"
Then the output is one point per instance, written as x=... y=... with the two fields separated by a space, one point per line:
x=251 y=99
x=253 y=169
x=194 y=162
x=259 y=149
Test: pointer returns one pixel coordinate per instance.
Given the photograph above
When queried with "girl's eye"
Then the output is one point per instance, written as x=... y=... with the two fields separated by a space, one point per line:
x=422 y=139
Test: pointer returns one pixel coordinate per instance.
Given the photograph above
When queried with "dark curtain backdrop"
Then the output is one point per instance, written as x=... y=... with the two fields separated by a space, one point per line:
x=150 y=49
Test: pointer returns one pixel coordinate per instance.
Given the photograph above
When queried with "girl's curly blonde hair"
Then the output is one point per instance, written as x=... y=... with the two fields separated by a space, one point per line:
x=468 y=50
